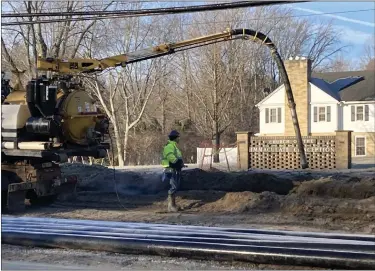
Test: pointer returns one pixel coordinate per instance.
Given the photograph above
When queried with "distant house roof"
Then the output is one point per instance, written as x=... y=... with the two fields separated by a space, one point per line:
x=347 y=86
x=326 y=87
x=342 y=86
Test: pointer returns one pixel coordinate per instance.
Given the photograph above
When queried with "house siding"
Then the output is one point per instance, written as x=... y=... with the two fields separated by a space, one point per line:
x=370 y=143
x=359 y=126
x=274 y=101
x=275 y=128
x=319 y=98
x=325 y=126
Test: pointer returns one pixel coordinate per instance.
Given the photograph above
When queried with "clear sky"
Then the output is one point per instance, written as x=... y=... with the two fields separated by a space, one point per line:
x=358 y=27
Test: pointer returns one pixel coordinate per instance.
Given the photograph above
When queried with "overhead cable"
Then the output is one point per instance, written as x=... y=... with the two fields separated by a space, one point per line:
x=197 y=23
x=152 y=12
x=196 y=8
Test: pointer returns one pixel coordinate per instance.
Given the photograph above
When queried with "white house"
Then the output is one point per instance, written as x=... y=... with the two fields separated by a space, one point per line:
x=325 y=103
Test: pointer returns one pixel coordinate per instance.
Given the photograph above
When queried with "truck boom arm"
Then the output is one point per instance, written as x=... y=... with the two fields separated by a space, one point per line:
x=85 y=65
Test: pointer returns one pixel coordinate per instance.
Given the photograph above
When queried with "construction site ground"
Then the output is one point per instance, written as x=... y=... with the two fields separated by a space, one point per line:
x=293 y=200
x=340 y=201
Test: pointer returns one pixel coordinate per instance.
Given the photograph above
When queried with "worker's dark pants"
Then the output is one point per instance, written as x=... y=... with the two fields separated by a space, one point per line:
x=174 y=179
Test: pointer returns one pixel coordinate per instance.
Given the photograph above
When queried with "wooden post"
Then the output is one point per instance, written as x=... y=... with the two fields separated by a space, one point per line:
x=226 y=158
x=203 y=156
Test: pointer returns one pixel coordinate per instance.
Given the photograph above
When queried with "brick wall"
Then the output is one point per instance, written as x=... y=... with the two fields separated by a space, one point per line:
x=281 y=152
x=299 y=73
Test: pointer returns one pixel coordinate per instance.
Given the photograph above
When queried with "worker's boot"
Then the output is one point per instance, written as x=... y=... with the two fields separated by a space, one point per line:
x=172 y=203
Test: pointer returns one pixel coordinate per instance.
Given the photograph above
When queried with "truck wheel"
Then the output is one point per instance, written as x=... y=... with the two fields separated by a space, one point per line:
x=16 y=201
x=39 y=201
x=11 y=201
x=4 y=199
x=31 y=196
x=4 y=189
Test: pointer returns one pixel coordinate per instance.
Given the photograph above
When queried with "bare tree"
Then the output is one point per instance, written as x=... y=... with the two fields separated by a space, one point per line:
x=106 y=94
x=368 y=58
x=13 y=65
x=62 y=39
x=340 y=64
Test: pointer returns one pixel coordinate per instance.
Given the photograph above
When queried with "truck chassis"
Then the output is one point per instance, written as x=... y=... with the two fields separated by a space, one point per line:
x=36 y=176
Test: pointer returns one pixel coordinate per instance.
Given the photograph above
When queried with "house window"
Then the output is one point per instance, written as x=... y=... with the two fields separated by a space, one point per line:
x=360 y=146
x=360 y=113
x=322 y=113
x=273 y=115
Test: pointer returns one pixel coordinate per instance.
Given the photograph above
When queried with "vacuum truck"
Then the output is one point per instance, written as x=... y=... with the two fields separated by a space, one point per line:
x=41 y=127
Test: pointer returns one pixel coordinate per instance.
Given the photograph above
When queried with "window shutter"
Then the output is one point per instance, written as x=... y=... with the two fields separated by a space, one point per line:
x=315 y=114
x=279 y=114
x=267 y=115
x=366 y=113
x=353 y=112
x=328 y=113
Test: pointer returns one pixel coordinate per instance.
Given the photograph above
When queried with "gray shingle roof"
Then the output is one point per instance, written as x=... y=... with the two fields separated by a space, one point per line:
x=348 y=86
x=323 y=85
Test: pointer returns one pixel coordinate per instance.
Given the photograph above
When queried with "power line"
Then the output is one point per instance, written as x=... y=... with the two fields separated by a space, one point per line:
x=159 y=11
x=226 y=21
x=150 y=11
x=59 y=8
x=284 y=17
x=79 y=8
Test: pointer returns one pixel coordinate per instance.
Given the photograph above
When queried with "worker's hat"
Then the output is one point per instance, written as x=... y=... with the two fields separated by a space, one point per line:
x=174 y=133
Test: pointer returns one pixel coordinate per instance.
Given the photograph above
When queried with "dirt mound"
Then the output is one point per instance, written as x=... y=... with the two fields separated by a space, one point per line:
x=321 y=210
x=241 y=202
x=302 y=205
x=338 y=187
x=197 y=179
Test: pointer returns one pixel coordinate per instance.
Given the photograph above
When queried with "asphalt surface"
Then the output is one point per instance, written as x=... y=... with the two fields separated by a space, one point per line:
x=18 y=265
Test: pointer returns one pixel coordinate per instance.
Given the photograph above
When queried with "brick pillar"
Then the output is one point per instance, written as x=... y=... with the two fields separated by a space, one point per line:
x=343 y=147
x=299 y=73
x=243 y=144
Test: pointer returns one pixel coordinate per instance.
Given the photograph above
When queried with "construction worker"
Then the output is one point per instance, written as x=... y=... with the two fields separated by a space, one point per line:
x=172 y=163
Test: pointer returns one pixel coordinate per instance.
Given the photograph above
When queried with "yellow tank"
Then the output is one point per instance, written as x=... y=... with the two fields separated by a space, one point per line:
x=77 y=109
x=79 y=117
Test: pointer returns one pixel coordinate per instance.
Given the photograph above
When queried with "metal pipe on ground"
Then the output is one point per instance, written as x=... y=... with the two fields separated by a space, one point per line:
x=308 y=257
x=259 y=246
x=183 y=228
x=328 y=246
x=171 y=232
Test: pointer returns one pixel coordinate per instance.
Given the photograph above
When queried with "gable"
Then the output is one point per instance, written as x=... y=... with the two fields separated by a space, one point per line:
x=275 y=97
x=318 y=95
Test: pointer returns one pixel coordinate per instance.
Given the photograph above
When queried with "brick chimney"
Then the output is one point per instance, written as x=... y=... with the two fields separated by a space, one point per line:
x=299 y=73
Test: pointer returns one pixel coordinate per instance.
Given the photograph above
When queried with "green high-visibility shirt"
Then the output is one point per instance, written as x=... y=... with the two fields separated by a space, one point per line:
x=171 y=153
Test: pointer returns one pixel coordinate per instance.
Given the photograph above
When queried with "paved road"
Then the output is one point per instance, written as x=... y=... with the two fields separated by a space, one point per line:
x=16 y=265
